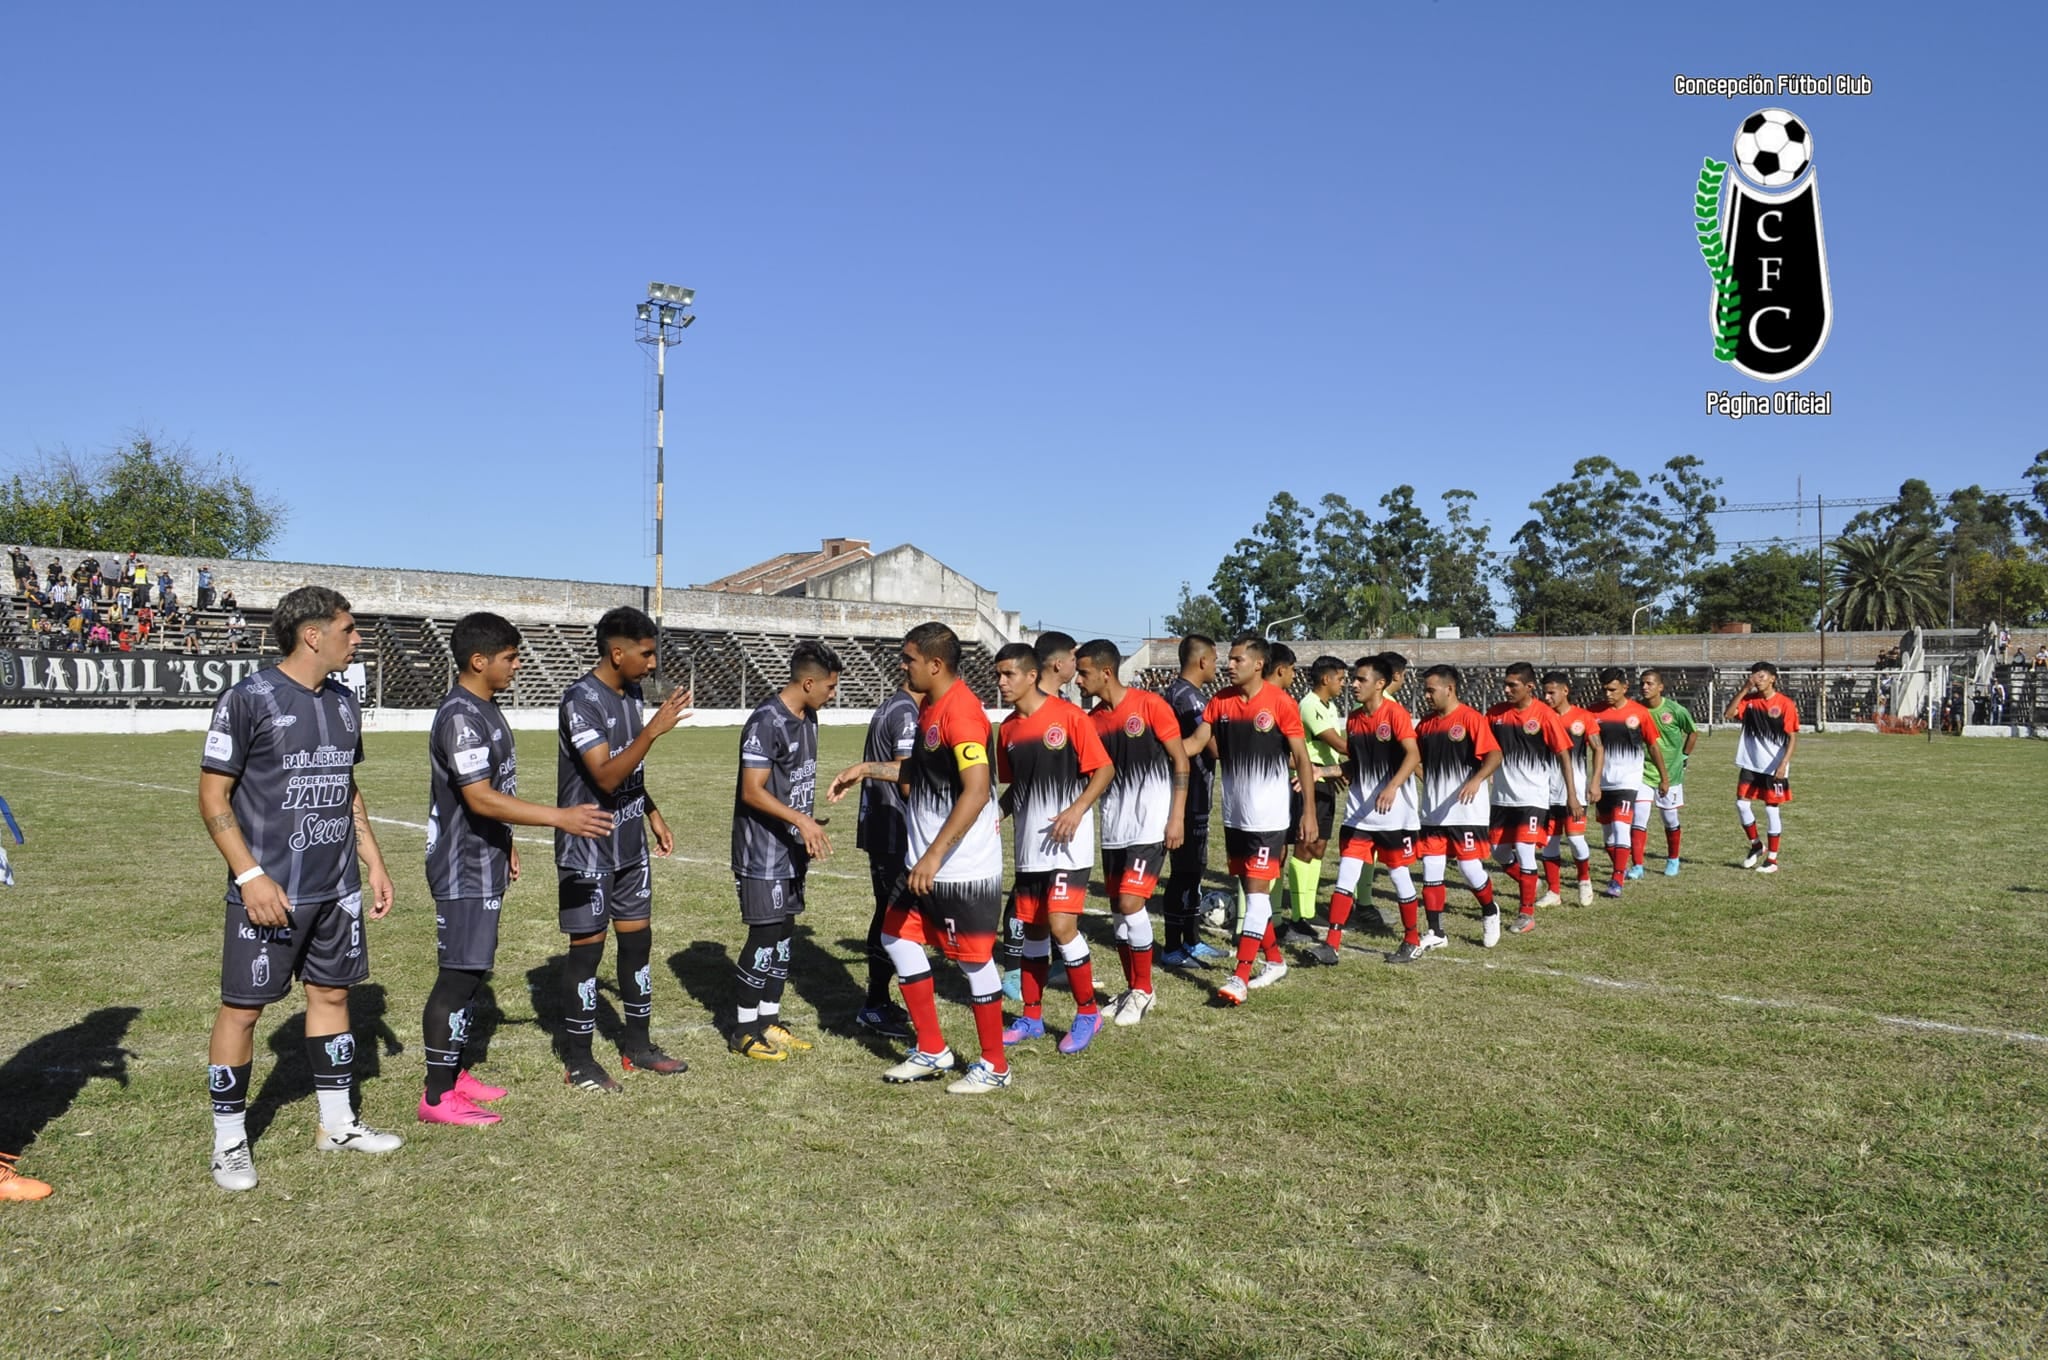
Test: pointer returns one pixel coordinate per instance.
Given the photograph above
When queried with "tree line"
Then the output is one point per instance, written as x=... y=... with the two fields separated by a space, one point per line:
x=145 y=495
x=1608 y=540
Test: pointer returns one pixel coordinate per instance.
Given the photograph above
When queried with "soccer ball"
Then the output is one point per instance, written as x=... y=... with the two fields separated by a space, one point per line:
x=1772 y=148
x=1218 y=907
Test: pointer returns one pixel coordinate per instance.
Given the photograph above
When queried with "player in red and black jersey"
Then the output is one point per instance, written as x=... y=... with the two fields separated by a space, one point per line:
x=1459 y=756
x=1580 y=776
x=1763 y=758
x=1255 y=730
x=951 y=893
x=1055 y=769
x=1534 y=751
x=1628 y=738
x=1143 y=813
x=1380 y=816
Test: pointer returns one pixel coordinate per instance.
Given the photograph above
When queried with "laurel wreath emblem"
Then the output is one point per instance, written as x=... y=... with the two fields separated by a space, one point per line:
x=1706 y=210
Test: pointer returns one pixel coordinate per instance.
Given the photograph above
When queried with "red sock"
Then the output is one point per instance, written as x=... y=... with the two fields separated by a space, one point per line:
x=1619 y=853
x=1773 y=847
x=1271 y=943
x=1585 y=868
x=1081 y=977
x=1123 y=954
x=1639 y=840
x=1671 y=842
x=1247 y=950
x=1749 y=830
x=1140 y=971
x=1553 y=874
x=988 y=1028
x=1528 y=885
x=1484 y=892
x=1433 y=898
x=923 y=1006
x=1340 y=912
x=1408 y=930
x=1036 y=971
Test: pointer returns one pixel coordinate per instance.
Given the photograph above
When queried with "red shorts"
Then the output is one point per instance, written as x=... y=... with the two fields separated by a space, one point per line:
x=1035 y=897
x=1255 y=856
x=1750 y=784
x=960 y=920
x=1521 y=825
x=1562 y=823
x=1133 y=870
x=1391 y=848
x=1466 y=842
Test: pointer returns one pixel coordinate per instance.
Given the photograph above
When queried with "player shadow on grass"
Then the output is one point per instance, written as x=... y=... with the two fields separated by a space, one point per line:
x=42 y=1079
x=290 y=1079
x=705 y=970
x=544 y=989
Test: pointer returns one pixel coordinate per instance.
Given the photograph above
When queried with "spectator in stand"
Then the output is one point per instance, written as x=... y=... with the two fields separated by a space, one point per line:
x=138 y=581
x=98 y=639
x=81 y=576
x=1997 y=701
x=227 y=599
x=236 y=627
x=56 y=572
x=167 y=601
x=163 y=583
x=190 y=645
x=60 y=596
x=125 y=641
x=2041 y=655
x=24 y=571
x=206 y=587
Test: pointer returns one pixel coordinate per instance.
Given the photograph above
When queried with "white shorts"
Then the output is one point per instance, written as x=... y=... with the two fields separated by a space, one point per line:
x=1671 y=797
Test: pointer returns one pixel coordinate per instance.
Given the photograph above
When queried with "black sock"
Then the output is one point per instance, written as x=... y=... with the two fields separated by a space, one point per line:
x=1012 y=937
x=445 y=1024
x=333 y=1060
x=1436 y=921
x=229 y=1087
x=754 y=973
x=636 y=985
x=778 y=971
x=880 y=968
x=579 y=998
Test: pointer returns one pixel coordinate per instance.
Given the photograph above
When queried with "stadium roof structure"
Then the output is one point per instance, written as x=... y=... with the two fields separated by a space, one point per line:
x=786 y=573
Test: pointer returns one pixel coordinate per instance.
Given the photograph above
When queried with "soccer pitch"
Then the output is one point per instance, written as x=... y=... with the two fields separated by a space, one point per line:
x=1729 y=1115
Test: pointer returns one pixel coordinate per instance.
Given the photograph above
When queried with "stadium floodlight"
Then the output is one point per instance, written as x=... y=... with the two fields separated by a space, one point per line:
x=663 y=318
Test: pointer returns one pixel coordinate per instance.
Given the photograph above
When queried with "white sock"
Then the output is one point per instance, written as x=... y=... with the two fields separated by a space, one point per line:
x=230 y=1129
x=335 y=1112
x=1258 y=911
x=771 y=1011
x=747 y=1015
x=1138 y=929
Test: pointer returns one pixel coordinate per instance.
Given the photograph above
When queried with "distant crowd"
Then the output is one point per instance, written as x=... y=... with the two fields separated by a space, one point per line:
x=93 y=608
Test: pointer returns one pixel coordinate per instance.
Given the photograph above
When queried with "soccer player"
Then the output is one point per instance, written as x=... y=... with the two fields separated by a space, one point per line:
x=278 y=794
x=1763 y=759
x=892 y=736
x=1054 y=769
x=1581 y=776
x=1187 y=694
x=1535 y=753
x=1628 y=737
x=1144 y=810
x=1397 y=667
x=600 y=751
x=1258 y=735
x=774 y=840
x=472 y=786
x=1322 y=722
x=1677 y=734
x=1459 y=756
x=1053 y=653
x=1380 y=815
x=951 y=894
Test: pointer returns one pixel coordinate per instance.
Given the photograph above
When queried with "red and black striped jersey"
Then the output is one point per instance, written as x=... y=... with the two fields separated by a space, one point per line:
x=1454 y=744
x=1046 y=756
x=1626 y=730
x=952 y=734
x=1768 y=722
x=1252 y=749
x=1374 y=742
x=1530 y=741
x=1134 y=733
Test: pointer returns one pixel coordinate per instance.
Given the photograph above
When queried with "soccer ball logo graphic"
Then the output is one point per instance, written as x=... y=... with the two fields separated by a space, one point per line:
x=1773 y=148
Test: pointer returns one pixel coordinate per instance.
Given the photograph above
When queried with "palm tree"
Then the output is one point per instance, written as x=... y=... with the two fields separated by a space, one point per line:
x=1885 y=582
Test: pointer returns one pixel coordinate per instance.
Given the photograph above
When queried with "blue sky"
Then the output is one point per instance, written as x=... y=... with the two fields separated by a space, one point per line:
x=1062 y=293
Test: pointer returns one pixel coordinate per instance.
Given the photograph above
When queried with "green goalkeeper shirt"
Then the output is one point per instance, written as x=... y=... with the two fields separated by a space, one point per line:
x=1674 y=728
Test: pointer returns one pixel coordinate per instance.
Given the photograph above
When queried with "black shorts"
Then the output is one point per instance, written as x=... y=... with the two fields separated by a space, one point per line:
x=589 y=902
x=323 y=945
x=1255 y=855
x=1617 y=805
x=1520 y=825
x=960 y=920
x=466 y=932
x=769 y=901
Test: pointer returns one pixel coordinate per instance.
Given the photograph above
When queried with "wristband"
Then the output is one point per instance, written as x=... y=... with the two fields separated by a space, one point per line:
x=248 y=876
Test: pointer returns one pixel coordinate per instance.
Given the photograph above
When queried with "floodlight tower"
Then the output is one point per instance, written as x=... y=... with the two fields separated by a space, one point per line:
x=663 y=318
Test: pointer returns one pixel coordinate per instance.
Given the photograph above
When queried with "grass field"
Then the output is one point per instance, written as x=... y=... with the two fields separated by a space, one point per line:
x=1729 y=1116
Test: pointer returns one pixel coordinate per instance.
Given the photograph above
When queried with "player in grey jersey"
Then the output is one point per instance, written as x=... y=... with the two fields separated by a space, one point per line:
x=278 y=795
x=602 y=882
x=774 y=839
x=473 y=781
x=882 y=832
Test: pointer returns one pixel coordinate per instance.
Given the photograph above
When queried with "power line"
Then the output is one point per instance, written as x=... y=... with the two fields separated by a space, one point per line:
x=1856 y=502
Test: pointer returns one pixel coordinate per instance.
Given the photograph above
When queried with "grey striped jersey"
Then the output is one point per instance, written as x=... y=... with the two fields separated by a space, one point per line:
x=593 y=713
x=292 y=753
x=778 y=741
x=467 y=855
x=892 y=736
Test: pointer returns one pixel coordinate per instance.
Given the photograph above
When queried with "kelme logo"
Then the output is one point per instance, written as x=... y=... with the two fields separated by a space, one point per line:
x=1771 y=309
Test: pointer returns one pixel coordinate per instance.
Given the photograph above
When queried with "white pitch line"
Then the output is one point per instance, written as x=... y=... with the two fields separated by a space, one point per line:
x=2017 y=1036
